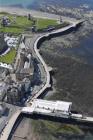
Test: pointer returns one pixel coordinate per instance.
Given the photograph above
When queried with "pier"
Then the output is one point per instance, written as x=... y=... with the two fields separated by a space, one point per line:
x=58 y=109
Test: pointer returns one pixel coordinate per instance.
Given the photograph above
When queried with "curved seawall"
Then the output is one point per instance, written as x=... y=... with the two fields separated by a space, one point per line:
x=37 y=43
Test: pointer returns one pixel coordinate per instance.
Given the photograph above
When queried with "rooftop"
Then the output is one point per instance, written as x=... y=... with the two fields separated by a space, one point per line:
x=44 y=106
x=56 y=105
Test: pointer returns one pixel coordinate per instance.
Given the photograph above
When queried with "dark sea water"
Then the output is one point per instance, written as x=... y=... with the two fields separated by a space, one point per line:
x=83 y=51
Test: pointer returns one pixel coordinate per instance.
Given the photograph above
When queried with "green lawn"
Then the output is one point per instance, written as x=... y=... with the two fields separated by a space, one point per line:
x=43 y=23
x=9 y=57
x=23 y=23
x=11 y=30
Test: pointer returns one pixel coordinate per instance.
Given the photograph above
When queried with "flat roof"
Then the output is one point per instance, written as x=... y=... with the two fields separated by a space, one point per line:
x=53 y=105
x=63 y=106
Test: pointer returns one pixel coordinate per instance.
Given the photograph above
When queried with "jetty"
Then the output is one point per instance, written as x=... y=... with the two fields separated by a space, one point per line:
x=58 y=109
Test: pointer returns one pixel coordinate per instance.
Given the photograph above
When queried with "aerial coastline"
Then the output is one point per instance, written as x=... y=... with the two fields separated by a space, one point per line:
x=62 y=51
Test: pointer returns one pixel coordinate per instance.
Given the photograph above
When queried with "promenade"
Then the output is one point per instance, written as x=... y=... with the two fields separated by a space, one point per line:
x=6 y=132
x=46 y=68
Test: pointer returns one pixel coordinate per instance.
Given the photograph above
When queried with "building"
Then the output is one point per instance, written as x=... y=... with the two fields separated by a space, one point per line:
x=21 y=61
x=2 y=91
x=2 y=109
x=18 y=81
x=25 y=67
x=5 y=21
x=15 y=94
x=3 y=44
x=51 y=108
x=27 y=84
x=54 y=106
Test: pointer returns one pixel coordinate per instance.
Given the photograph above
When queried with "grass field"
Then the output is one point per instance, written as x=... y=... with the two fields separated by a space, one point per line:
x=43 y=23
x=9 y=57
x=19 y=26
x=22 y=23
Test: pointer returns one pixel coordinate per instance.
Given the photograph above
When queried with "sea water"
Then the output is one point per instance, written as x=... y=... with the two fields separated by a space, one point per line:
x=37 y=3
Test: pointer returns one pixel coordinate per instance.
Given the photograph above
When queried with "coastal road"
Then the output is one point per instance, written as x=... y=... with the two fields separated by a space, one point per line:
x=39 y=72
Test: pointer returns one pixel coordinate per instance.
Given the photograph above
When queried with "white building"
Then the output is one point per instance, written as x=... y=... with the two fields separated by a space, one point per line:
x=54 y=108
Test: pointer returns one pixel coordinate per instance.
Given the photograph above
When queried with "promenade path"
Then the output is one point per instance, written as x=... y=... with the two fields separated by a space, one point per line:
x=6 y=132
x=32 y=43
x=46 y=68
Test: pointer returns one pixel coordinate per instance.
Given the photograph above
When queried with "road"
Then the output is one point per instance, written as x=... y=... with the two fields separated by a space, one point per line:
x=39 y=73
